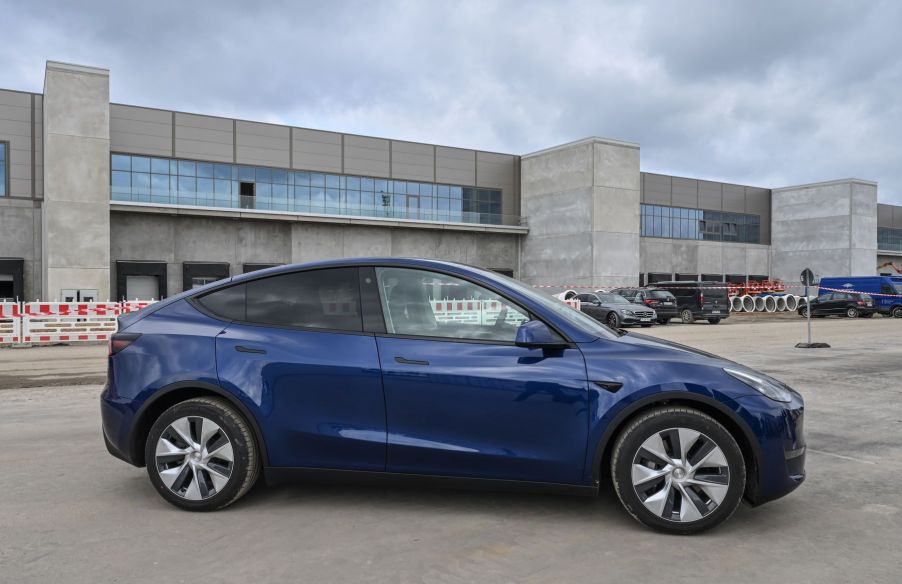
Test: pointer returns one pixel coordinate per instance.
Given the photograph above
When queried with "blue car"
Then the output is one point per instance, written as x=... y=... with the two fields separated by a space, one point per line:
x=431 y=372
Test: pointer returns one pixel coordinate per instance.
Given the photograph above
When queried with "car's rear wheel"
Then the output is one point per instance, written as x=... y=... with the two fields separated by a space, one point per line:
x=852 y=312
x=677 y=470
x=686 y=316
x=612 y=320
x=896 y=312
x=804 y=312
x=201 y=455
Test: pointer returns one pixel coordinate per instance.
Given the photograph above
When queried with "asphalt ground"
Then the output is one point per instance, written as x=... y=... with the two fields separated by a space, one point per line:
x=69 y=512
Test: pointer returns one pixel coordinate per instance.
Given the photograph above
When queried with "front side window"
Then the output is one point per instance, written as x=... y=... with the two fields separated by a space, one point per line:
x=421 y=303
x=4 y=157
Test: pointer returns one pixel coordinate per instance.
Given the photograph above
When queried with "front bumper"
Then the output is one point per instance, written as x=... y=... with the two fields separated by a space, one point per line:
x=626 y=319
x=780 y=464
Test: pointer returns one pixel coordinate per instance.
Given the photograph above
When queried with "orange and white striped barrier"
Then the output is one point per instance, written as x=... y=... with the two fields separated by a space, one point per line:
x=10 y=323
x=61 y=322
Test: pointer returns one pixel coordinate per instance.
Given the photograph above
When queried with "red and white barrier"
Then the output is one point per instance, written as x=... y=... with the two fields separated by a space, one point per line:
x=474 y=311
x=62 y=322
x=10 y=323
x=134 y=305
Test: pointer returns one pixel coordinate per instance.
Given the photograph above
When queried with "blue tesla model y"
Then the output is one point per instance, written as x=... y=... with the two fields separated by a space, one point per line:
x=431 y=372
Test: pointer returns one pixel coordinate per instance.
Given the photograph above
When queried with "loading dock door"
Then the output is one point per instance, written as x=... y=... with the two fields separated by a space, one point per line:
x=142 y=287
x=139 y=280
x=12 y=278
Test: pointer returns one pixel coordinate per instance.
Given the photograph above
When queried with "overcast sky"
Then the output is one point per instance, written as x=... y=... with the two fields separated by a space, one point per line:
x=763 y=93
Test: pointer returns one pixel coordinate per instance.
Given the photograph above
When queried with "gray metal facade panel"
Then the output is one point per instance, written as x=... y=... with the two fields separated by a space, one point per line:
x=367 y=156
x=316 y=150
x=757 y=202
x=140 y=130
x=204 y=138
x=495 y=170
x=734 y=198
x=897 y=217
x=656 y=189
x=684 y=192
x=710 y=195
x=39 y=146
x=16 y=128
x=413 y=161
x=263 y=144
x=455 y=165
x=884 y=215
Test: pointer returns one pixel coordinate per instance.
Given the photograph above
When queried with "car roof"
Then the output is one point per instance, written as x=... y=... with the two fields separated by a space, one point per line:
x=354 y=262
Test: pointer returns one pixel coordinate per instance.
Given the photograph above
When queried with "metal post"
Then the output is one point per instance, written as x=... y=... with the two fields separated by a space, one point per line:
x=808 y=311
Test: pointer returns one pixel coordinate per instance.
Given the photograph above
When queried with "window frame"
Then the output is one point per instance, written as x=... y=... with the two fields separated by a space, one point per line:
x=6 y=165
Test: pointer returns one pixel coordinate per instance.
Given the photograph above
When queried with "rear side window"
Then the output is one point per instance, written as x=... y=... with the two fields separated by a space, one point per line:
x=660 y=294
x=326 y=299
x=227 y=303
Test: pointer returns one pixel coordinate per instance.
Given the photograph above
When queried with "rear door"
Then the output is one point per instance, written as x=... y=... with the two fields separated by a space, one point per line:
x=297 y=350
x=715 y=301
x=462 y=399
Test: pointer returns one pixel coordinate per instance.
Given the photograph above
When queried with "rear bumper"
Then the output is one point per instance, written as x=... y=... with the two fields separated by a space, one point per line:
x=115 y=421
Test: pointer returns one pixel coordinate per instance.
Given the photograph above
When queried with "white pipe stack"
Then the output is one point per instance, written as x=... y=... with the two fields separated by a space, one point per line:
x=781 y=303
x=735 y=304
x=792 y=302
x=748 y=303
x=759 y=304
x=770 y=304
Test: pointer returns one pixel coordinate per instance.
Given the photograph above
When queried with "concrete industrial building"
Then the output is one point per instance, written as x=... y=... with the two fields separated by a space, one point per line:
x=102 y=200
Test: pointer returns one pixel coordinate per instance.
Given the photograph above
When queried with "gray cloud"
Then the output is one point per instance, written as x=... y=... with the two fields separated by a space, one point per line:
x=765 y=93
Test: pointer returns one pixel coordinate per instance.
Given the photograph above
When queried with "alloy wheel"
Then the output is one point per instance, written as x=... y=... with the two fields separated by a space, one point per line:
x=852 y=313
x=680 y=474
x=613 y=321
x=686 y=316
x=194 y=458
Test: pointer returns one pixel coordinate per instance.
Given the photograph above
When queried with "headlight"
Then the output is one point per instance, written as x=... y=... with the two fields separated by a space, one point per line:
x=769 y=387
x=626 y=312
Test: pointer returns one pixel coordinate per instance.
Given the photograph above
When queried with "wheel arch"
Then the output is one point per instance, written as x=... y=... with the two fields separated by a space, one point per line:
x=743 y=435
x=174 y=393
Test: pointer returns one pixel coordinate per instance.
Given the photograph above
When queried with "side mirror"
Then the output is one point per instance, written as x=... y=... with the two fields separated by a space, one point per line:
x=535 y=334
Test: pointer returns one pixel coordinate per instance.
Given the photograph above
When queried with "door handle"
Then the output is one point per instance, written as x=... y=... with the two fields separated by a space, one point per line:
x=404 y=361
x=242 y=349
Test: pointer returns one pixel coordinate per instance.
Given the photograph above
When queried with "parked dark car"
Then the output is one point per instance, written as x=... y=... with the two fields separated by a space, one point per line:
x=615 y=311
x=705 y=300
x=359 y=369
x=663 y=302
x=840 y=304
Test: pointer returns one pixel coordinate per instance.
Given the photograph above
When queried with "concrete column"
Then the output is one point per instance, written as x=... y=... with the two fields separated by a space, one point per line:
x=76 y=212
x=582 y=202
x=830 y=227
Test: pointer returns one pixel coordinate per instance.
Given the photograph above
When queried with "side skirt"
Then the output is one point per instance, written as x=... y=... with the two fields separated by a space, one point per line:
x=277 y=475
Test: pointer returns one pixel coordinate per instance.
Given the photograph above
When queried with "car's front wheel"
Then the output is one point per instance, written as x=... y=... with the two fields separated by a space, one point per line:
x=677 y=470
x=612 y=320
x=852 y=312
x=201 y=454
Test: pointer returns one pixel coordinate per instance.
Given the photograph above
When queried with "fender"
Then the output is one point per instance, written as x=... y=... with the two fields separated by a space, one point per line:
x=683 y=396
x=207 y=387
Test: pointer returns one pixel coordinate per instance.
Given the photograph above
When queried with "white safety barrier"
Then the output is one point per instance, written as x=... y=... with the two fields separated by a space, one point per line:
x=134 y=305
x=473 y=311
x=60 y=322
x=10 y=323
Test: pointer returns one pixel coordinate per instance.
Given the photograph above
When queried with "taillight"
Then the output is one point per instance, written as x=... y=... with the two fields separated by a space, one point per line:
x=121 y=341
x=701 y=296
x=861 y=303
x=651 y=302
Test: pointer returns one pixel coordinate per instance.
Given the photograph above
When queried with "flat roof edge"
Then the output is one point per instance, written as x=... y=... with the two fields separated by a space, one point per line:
x=825 y=183
x=581 y=142
x=76 y=68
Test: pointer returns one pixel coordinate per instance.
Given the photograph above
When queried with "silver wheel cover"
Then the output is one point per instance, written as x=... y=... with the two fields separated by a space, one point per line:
x=194 y=458
x=680 y=475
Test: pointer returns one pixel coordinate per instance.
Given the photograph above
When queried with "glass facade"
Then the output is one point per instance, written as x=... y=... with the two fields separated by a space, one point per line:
x=681 y=223
x=189 y=182
x=4 y=148
x=889 y=238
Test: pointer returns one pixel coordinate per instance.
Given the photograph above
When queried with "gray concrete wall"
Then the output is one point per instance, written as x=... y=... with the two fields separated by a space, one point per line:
x=76 y=219
x=680 y=256
x=20 y=237
x=174 y=239
x=582 y=202
x=830 y=227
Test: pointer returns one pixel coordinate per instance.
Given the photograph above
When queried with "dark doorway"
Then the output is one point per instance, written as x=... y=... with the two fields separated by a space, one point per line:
x=248 y=198
x=197 y=274
x=736 y=278
x=687 y=277
x=140 y=280
x=12 y=278
x=504 y=272
x=659 y=277
x=712 y=277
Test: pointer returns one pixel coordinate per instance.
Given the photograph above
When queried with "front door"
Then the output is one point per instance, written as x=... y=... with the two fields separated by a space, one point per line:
x=461 y=398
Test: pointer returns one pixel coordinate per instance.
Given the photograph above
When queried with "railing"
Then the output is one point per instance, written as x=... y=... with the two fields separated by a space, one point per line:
x=285 y=205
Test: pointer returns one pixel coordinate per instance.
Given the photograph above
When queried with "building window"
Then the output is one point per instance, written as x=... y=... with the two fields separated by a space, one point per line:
x=166 y=181
x=682 y=223
x=4 y=167
x=889 y=239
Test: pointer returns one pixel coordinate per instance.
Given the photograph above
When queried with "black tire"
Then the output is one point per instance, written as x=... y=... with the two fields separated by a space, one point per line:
x=245 y=466
x=612 y=320
x=686 y=316
x=713 y=320
x=663 y=321
x=896 y=312
x=627 y=448
x=803 y=312
x=852 y=312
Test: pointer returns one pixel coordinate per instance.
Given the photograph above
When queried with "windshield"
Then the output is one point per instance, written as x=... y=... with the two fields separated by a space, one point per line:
x=613 y=299
x=571 y=315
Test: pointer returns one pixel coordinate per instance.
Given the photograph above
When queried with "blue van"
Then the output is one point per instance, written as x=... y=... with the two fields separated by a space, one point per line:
x=885 y=290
